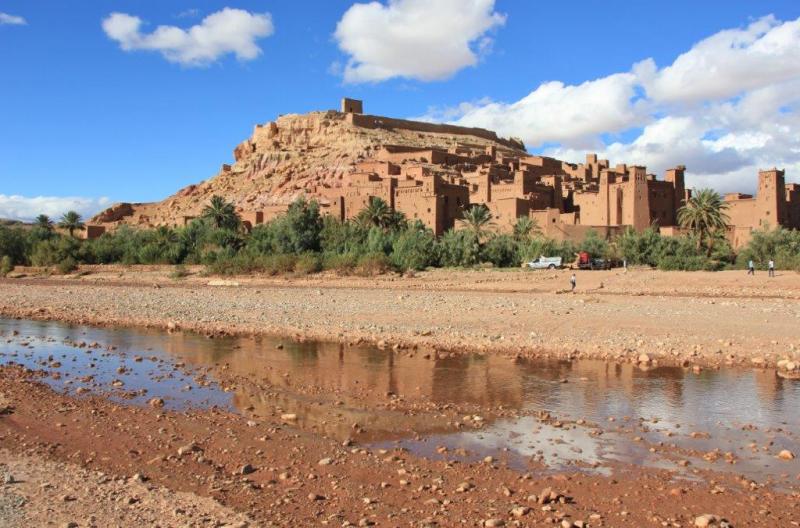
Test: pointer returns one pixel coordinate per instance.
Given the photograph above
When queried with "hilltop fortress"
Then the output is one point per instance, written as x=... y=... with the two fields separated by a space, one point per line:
x=431 y=172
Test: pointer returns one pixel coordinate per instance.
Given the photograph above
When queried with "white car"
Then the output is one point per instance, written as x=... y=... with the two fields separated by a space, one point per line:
x=545 y=263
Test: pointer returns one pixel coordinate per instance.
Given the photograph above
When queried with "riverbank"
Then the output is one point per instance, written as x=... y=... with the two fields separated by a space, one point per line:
x=694 y=319
x=279 y=474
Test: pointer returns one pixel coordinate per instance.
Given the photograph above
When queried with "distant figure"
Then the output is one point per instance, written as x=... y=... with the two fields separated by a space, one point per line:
x=771 y=268
x=751 y=268
x=573 y=281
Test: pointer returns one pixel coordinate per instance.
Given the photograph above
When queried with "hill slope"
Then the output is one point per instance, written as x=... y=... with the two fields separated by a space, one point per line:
x=300 y=155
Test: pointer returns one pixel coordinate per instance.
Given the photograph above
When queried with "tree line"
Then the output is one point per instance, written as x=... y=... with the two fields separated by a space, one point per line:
x=380 y=239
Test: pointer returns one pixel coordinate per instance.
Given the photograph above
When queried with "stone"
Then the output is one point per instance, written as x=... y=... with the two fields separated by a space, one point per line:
x=9 y=479
x=247 y=469
x=156 y=403
x=786 y=455
x=489 y=523
x=289 y=417
x=520 y=511
x=644 y=359
x=705 y=520
x=187 y=449
x=325 y=462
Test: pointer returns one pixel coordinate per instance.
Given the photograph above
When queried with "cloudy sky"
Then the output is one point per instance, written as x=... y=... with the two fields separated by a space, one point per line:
x=127 y=100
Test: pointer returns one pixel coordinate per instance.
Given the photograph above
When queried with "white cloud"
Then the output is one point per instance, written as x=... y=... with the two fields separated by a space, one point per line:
x=728 y=63
x=725 y=108
x=17 y=207
x=227 y=31
x=12 y=20
x=417 y=39
x=558 y=112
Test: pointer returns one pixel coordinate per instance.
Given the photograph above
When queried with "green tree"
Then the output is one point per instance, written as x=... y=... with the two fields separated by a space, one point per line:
x=71 y=221
x=44 y=223
x=477 y=219
x=377 y=213
x=704 y=214
x=526 y=227
x=221 y=214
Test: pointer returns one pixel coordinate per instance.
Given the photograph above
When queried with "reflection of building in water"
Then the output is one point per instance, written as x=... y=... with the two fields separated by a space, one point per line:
x=333 y=367
x=768 y=385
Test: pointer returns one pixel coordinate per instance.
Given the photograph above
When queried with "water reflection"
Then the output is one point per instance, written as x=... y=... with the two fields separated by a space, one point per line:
x=326 y=385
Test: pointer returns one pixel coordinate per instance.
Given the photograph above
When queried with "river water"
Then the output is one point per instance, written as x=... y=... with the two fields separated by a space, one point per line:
x=666 y=417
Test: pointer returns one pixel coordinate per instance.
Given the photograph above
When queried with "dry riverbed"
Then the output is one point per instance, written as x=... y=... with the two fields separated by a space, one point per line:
x=293 y=450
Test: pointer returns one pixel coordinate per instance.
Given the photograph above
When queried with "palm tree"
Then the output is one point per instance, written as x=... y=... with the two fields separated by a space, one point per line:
x=221 y=213
x=43 y=222
x=71 y=221
x=377 y=213
x=704 y=214
x=477 y=219
x=526 y=227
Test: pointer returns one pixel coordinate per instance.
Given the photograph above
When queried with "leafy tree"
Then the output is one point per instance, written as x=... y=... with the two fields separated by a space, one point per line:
x=221 y=214
x=502 y=251
x=477 y=219
x=414 y=248
x=297 y=231
x=594 y=245
x=640 y=248
x=44 y=223
x=377 y=213
x=526 y=227
x=704 y=214
x=71 y=221
x=459 y=247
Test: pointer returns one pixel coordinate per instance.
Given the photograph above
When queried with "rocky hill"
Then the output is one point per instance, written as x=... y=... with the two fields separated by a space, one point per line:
x=299 y=155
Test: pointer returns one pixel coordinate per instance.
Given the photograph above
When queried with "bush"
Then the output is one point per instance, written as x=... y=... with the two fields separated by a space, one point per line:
x=67 y=266
x=6 y=266
x=308 y=263
x=459 y=248
x=502 y=251
x=179 y=272
x=640 y=248
x=780 y=245
x=297 y=231
x=415 y=248
x=344 y=264
x=595 y=246
x=373 y=264
x=14 y=245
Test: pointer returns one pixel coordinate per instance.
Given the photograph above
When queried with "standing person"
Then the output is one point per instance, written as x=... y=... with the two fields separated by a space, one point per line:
x=771 y=267
x=572 y=282
x=751 y=268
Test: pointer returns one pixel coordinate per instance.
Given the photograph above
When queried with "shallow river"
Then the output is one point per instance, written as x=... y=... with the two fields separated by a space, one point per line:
x=626 y=415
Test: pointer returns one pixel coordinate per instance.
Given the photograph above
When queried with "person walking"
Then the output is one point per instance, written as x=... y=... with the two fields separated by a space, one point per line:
x=751 y=268
x=771 y=267
x=573 y=282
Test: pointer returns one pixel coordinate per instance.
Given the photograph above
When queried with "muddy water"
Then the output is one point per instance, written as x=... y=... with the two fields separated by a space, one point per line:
x=602 y=415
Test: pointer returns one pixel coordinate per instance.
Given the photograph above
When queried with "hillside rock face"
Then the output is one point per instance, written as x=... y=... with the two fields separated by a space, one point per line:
x=299 y=155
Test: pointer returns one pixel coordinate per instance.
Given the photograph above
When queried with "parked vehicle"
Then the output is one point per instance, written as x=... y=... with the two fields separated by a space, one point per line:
x=546 y=263
x=585 y=261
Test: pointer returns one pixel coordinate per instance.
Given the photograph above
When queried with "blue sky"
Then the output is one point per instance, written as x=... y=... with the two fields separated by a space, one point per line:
x=81 y=116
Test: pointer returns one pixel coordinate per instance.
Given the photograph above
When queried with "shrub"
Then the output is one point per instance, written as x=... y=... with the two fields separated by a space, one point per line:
x=308 y=263
x=415 y=248
x=640 y=248
x=6 y=266
x=55 y=251
x=373 y=264
x=459 y=248
x=179 y=272
x=67 y=266
x=502 y=251
x=594 y=245
x=780 y=245
x=297 y=231
x=14 y=245
x=343 y=264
